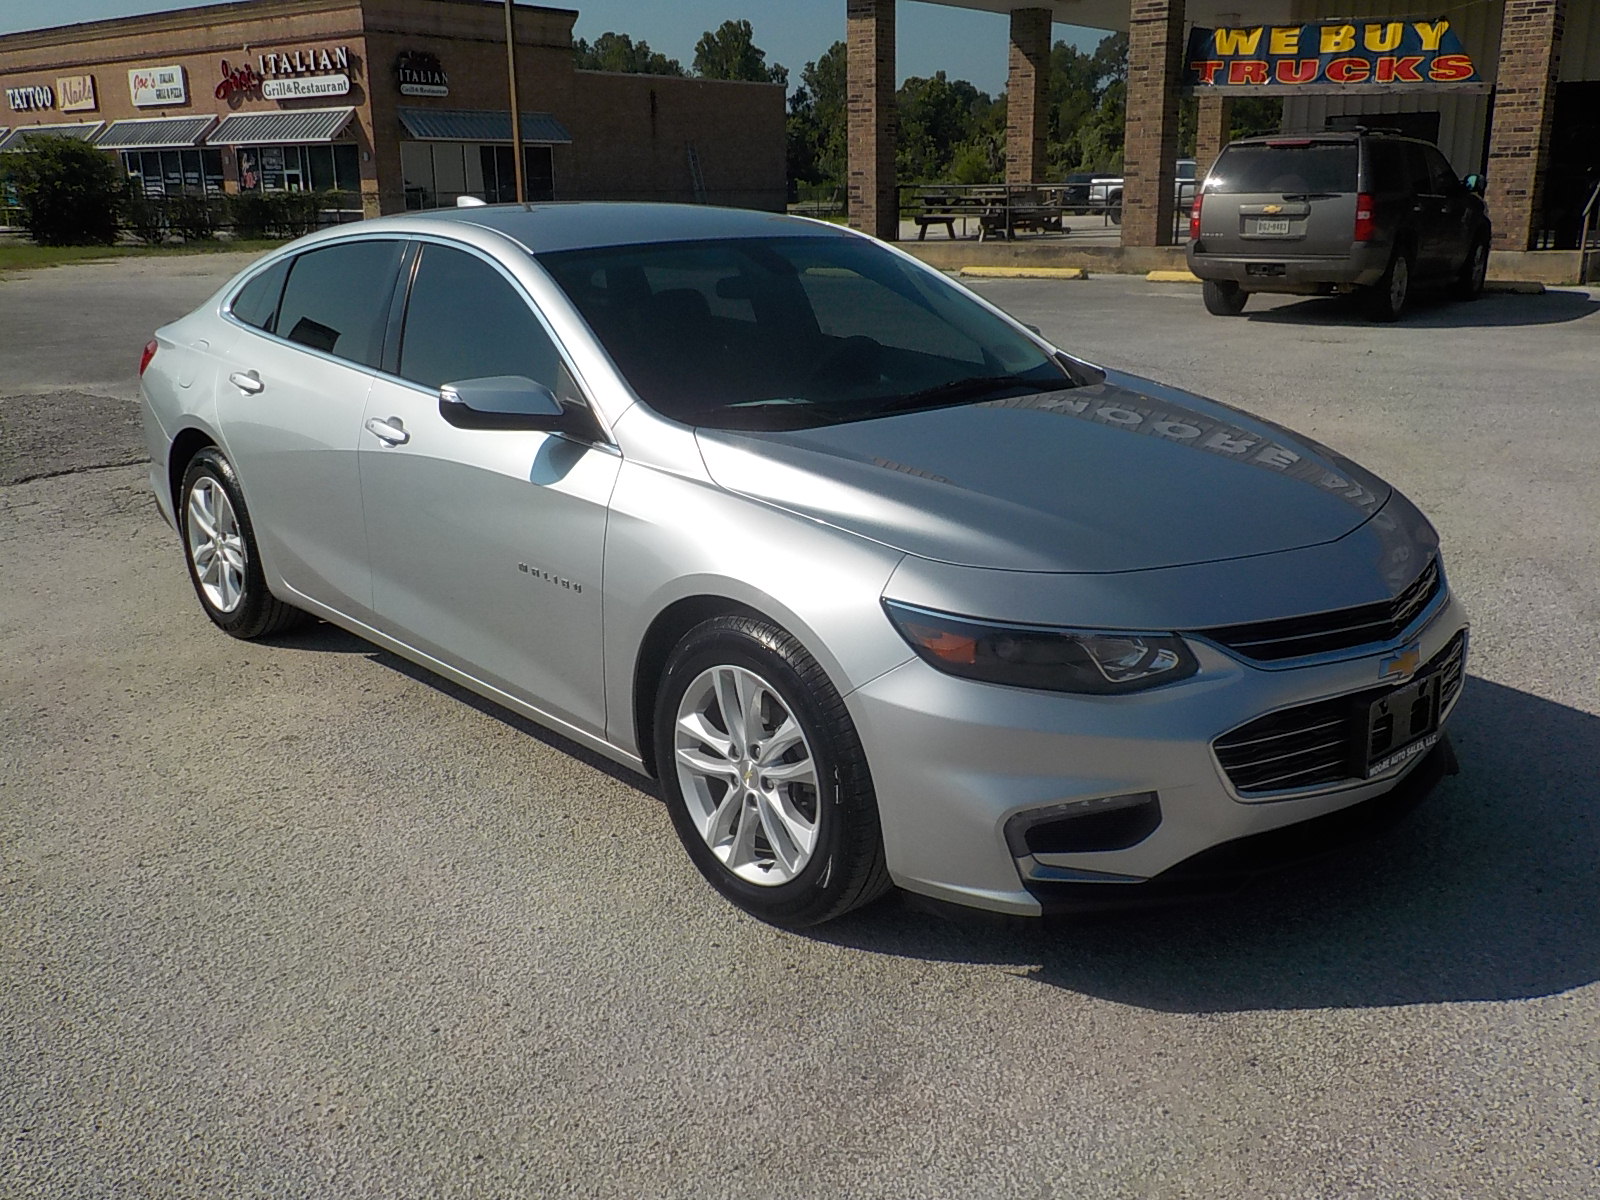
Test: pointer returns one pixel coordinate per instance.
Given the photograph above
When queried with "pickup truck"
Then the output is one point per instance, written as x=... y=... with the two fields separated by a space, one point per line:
x=1105 y=191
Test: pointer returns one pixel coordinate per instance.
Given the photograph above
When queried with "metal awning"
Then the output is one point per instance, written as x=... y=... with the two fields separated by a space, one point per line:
x=155 y=133
x=281 y=128
x=481 y=125
x=84 y=131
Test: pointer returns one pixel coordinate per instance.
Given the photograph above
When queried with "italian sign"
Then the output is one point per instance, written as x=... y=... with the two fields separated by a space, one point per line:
x=75 y=93
x=420 y=74
x=1329 y=56
x=157 y=87
x=301 y=88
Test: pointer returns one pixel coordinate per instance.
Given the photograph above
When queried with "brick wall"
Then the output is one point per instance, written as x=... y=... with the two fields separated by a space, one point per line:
x=1150 y=144
x=1524 y=105
x=1213 y=120
x=873 y=122
x=1027 y=96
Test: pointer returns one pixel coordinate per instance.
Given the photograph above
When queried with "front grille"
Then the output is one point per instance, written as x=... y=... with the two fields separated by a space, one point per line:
x=1294 y=637
x=1320 y=742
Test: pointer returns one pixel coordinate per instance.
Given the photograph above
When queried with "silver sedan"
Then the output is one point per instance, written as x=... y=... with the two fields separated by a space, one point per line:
x=881 y=587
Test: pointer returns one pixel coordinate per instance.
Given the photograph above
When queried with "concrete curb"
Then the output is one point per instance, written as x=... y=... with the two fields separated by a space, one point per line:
x=1515 y=287
x=1024 y=272
x=1171 y=277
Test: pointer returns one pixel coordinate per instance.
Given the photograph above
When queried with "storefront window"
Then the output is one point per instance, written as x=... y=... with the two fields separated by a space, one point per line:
x=174 y=172
x=318 y=168
x=436 y=173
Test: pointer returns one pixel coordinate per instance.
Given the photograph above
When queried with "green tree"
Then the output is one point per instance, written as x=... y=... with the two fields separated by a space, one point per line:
x=730 y=52
x=938 y=117
x=619 y=52
x=70 y=193
x=818 y=120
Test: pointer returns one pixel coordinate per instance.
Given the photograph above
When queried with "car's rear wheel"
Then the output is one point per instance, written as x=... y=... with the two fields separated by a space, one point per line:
x=1115 y=202
x=1474 y=270
x=1223 y=297
x=220 y=549
x=765 y=776
x=1386 y=299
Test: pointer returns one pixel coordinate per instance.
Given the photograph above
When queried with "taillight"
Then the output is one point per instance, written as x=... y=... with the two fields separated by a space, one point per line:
x=1194 y=217
x=1364 y=230
x=149 y=353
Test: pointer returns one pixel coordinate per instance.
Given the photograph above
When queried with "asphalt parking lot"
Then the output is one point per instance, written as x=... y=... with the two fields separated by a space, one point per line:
x=294 y=919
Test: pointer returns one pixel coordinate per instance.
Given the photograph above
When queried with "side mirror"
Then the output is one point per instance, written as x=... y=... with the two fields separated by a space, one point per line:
x=1476 y=184
x=501 y=402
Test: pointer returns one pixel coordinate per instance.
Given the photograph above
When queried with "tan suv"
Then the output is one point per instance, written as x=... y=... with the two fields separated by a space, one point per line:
x=1353 y=211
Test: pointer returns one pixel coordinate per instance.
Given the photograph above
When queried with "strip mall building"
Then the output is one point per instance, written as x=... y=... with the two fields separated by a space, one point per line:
x=403 y=102
x=1507 y=88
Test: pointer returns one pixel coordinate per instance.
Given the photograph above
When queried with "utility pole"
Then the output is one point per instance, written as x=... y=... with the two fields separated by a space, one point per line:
x=516 y=110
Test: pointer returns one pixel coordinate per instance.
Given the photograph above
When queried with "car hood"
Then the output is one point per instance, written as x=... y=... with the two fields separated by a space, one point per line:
x=1123 y=475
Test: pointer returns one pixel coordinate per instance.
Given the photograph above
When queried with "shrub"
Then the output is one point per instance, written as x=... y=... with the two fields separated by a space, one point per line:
x=146 y=219
x=70 y=193
x=195 y=218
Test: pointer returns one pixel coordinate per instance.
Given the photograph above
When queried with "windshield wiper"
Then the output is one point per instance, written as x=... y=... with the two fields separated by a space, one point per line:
x=962 y=391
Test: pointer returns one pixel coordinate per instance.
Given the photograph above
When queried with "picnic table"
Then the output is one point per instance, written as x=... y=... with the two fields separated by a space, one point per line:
x=999 y=209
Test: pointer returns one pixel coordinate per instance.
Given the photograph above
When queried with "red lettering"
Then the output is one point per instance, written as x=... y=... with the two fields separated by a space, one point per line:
x=1247 y=71
x=237 y=81
x=1206 y=70
x=1348 y=70
x=1451 y=68
x=1297 y=71
x=1399 y=70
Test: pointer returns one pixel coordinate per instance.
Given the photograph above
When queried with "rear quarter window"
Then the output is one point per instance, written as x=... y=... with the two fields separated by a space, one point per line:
x=256 y=303
x=1319 y=167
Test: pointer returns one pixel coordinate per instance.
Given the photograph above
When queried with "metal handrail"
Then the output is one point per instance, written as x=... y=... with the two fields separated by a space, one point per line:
x=1583 y=237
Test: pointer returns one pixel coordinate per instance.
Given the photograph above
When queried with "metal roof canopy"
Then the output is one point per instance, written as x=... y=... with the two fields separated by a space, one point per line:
x=481 y=125
x=155 y=133
x=84 y=131
x=281 y=128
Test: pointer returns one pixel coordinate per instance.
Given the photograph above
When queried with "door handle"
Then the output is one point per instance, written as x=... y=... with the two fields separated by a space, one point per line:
x=246 y=381
x=389 y=430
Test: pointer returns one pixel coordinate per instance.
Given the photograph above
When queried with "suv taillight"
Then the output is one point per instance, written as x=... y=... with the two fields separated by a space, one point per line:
x=1364 y=230
x=1194 y=217
x=149 y=353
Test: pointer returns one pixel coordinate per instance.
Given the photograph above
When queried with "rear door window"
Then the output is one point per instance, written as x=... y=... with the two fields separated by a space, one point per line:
x=337 y=299
x=1316 y=167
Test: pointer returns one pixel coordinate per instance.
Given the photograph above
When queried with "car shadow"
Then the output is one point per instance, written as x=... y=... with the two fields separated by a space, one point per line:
x=1487 y=892
x=1494 y=309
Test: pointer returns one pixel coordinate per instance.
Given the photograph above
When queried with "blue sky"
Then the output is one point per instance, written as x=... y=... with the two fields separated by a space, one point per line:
x=967 y=45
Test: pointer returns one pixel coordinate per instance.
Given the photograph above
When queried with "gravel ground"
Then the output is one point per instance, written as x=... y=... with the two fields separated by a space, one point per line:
x=293 y=919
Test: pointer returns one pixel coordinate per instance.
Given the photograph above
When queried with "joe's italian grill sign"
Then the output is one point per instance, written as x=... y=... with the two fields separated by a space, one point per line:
x=1329 y=56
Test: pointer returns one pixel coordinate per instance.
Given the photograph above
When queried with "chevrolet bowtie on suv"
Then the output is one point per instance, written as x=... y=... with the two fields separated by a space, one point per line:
x=1359 y=210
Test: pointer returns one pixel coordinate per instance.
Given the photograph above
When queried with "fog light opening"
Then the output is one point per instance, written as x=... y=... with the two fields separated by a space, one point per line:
x=1084 y=826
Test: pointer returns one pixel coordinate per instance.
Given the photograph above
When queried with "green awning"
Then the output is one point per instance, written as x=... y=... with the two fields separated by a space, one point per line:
x=481 y=125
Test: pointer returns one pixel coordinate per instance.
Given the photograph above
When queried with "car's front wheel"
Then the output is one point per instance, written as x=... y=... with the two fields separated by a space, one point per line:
x=1223 y=297
x=765 y=776
x=220 y=548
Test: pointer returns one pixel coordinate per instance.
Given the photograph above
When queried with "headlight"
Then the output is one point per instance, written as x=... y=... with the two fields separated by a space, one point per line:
x=1095 y=661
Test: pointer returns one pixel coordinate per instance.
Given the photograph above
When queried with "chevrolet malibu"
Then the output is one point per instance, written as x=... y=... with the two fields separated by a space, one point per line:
x=881 y=587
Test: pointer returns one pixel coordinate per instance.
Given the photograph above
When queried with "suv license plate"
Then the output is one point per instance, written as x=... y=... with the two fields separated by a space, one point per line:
x=1403 y=724
x=1280 y=226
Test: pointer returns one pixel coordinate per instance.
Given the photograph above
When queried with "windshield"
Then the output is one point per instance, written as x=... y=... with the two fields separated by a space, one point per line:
x=1317 y=167
x=790 y=333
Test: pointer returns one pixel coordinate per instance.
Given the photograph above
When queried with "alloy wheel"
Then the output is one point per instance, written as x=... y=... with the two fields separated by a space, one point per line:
x=216 y=547
x=747 y=774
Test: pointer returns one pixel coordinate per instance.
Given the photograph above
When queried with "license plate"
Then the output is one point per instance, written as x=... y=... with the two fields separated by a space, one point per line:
x=1403 y=725
x=1281 y=226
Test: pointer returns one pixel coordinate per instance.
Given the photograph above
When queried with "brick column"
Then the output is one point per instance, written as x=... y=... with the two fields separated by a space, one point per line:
x=1524 y=103
x=874 y=124
x=1027 y=96
x=1214 y=119
x=1150 y=143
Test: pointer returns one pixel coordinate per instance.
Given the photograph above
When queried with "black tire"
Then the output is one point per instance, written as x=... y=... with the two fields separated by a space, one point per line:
x=257 y=612
x=1474 y=270
x=1223 y=297
x=1386 y=299
x=846 y=866
x=1115 y=203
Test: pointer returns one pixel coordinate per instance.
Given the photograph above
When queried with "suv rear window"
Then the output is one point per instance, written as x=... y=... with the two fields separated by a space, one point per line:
x=1319 y=167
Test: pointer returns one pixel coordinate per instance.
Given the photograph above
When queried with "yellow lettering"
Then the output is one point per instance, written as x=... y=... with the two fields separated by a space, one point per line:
x=1338 y=39
x=1285 y=40
x=1431 y=32
x=1238 y=41
x=1383 y=37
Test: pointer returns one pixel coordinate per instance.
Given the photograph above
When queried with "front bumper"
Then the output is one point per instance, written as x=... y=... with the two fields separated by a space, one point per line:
x=954 y=761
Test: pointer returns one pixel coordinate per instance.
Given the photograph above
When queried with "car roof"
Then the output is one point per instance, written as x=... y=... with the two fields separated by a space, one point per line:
x=568 y=225
x=1324 y=135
